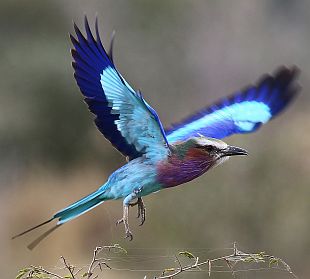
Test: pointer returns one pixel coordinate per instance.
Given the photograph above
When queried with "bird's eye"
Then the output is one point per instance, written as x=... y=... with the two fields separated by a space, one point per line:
x=209 y=148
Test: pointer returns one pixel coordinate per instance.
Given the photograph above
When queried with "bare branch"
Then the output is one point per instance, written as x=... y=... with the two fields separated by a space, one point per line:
x=69 y=267
x=193 y=264
x=34 y=272
x=231 y=260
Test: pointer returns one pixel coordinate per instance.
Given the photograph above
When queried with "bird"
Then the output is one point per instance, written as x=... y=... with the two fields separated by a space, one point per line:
x=158 y=158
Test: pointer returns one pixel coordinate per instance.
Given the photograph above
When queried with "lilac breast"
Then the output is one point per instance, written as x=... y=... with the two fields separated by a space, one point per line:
x=177 y=171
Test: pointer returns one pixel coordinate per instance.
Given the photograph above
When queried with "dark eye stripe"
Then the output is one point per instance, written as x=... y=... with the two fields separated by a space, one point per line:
x=206 y=147
x=209 y=148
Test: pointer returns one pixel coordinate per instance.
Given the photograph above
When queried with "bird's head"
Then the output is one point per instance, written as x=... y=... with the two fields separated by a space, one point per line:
x=215 y=150
x=193 y=157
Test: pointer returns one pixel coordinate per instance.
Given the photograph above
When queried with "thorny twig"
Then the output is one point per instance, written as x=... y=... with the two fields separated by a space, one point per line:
x=69 y=267
x=96 y=263
x=41 y=270
x=34 y=272
x=231 y=260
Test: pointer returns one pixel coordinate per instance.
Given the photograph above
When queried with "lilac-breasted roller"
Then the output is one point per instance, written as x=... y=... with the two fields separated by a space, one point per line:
x=157 y=158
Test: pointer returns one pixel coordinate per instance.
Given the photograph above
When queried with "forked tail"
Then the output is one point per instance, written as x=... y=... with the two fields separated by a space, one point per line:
x=72 y=211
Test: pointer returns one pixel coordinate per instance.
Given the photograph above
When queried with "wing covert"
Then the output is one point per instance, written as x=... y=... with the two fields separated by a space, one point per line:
x=242 y=112
x=122 y=115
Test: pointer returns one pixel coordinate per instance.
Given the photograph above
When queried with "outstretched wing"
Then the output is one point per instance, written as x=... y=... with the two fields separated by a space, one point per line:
x=122 y=115
x=242 y=112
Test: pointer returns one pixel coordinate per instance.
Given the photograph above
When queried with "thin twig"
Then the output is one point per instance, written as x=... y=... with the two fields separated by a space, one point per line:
x=231 y=260
x=40 y=269
x=68 y=267
x=90 y=270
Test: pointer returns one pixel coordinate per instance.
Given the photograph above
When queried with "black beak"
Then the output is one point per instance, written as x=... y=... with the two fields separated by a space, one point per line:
x=233 y=151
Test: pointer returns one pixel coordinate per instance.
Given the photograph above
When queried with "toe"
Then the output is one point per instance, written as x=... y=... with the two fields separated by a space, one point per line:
x=119 y=222
x=129 y=235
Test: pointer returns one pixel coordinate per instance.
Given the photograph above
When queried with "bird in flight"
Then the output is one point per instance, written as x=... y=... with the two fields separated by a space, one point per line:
x=159 y=158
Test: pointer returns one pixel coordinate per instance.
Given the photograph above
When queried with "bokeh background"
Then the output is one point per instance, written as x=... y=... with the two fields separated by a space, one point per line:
x=182 y=54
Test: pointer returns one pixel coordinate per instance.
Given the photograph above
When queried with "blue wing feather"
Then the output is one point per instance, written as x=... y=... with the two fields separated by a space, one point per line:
x=122 y=115
x=242 y=112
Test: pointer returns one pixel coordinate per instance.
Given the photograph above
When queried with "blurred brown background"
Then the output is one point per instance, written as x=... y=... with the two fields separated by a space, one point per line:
x=182 y=54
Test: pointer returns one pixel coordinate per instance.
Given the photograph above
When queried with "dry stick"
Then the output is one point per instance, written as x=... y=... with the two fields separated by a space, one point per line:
x=231 y=260
x=70 y=268
x=234 y=257
x=41 y=269
x=179 y=263
x=90 y=271
x=78 y=271
x=98 y=261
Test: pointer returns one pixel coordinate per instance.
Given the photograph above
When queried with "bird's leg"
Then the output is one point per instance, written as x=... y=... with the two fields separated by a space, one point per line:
x=141 y=210
x=124 y=220
x=126 y=204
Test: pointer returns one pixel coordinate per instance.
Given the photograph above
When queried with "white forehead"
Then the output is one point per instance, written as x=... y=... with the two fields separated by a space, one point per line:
x=210 y=141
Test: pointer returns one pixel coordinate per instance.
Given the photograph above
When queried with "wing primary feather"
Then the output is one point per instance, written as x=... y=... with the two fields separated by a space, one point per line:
x=83 y=54
x=99 y=43
x=90 y=38
x=85 y=45
x=110 y=53
x=122 y=115
x=244 y=111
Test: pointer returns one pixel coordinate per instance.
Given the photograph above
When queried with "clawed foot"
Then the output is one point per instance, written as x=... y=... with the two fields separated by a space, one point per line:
x=141 y=210
x=128 y=233
x=141 y=215
x=119 y=222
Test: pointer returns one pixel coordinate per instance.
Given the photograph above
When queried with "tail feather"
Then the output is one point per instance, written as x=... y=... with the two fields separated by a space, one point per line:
x=34 y=243
x=33 y=228
x=78 y=208
x=72 y=211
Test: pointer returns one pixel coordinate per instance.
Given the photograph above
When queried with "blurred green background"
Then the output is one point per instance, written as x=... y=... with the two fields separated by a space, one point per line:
x=183 y=55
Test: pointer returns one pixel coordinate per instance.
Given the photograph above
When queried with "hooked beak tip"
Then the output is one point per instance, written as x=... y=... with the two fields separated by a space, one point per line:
x=234 y=151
